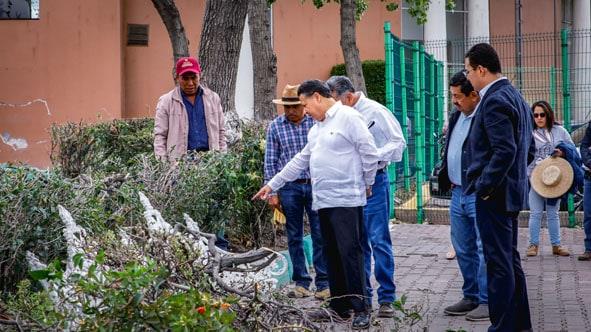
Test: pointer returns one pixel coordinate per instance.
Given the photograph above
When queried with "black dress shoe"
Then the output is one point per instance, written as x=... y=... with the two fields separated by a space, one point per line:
x=360 y=321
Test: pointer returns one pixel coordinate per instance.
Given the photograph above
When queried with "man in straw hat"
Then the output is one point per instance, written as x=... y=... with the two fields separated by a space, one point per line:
x=286 y=136
x=500 y=140
x=390 y=143
x=343 y=158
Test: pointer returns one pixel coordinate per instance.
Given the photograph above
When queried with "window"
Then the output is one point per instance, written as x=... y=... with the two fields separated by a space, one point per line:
x=19 y=9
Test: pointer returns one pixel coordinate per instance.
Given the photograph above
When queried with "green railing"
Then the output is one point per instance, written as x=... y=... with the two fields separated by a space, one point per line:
x=413 y=94
x=555 y=67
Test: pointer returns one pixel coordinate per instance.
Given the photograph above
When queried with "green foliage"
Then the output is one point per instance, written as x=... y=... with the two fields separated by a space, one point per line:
x=130 y=299
x=37 y=305
x=418 y=9
x=361 y=6
x=214 y=189
x=106 y=145
x=450 y=4
x=409 y=318
x=373 y=71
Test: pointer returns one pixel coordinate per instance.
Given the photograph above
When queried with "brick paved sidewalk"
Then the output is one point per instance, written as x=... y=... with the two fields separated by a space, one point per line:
x=559 y=288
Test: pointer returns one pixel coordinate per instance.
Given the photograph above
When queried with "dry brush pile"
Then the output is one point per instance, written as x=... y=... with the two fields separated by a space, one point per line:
x=118 y=272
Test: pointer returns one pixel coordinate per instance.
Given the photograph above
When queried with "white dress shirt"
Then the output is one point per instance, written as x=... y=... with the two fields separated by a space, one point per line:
x=385 y=129
x=342 y=157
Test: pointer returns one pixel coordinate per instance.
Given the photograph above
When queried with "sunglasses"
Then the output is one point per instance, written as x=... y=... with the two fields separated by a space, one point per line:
x=539 y=115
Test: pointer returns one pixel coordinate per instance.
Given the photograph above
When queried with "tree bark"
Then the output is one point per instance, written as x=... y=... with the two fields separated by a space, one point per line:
x=263 y=58
x=349 y=45
x=176 y=32
x=219 y=51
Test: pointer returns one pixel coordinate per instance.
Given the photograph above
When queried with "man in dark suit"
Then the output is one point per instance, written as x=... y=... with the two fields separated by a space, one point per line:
x=500 y=141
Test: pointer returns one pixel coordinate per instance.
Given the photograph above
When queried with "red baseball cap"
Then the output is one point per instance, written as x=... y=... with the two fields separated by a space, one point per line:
x=187 y=64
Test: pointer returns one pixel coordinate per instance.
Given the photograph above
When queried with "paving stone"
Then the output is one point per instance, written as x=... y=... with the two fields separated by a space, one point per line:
x=559 y=288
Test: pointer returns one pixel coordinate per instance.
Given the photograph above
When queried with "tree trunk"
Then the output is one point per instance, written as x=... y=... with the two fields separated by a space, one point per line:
x=263 y=58
x=219 y=51
x=172 y=20
x=349 y=45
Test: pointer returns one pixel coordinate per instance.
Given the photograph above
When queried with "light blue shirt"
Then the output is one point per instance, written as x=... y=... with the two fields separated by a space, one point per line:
x=454 y=150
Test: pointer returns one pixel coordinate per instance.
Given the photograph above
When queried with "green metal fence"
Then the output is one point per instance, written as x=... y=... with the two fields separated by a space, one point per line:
x=543 y=66
x=415 y=95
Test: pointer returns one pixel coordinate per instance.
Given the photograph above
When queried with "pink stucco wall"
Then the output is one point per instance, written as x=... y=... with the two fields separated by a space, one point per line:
x=307 y=40
x=64 y=67
x=75 y=61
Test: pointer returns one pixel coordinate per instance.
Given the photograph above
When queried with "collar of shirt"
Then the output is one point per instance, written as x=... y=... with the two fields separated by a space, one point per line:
x=473 y=113
x=198 y=94
x=485 y=89
x=332 y=110
x=360 y=100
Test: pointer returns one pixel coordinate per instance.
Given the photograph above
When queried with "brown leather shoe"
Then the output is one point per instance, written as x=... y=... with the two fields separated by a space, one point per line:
x=532 y=250
x=560 y=251
x=586 y=256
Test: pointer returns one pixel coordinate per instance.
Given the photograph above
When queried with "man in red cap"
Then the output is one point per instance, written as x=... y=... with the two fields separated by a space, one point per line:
x=189 y=118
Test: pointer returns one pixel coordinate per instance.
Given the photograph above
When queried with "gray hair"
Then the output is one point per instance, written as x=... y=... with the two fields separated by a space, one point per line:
x=340 y=85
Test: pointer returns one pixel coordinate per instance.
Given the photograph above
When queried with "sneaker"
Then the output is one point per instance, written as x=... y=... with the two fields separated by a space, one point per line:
x=298 y=292
x=478 y=314
x=463 y=307
x=360 y=321
x=386 y=310
x=560 y=251
x=586 y=256
x=532 y=250
x=323 y=294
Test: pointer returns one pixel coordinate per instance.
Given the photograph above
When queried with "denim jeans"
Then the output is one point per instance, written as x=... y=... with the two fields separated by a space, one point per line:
x=587 y=214
x=295 y=198
x=378 y=241
x=536 y=210
x=465 y=238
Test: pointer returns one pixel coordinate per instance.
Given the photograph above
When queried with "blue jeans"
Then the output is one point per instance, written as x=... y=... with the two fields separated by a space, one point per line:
x=378 y=241
x=587 y=214
x=536 y=210
x=295 y=198
x=465 y=239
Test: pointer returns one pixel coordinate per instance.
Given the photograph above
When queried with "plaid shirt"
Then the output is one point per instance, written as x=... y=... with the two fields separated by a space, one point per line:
x=284 y=140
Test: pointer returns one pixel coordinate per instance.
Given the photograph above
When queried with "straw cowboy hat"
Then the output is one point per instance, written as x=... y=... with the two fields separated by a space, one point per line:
x=552 y=177
x=289 y=96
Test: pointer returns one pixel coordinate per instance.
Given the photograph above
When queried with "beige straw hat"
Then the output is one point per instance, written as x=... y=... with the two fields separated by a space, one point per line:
x=289 y=96
x=552 y=177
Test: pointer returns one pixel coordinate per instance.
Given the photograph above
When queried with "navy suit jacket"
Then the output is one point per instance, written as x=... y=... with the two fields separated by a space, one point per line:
x=500 y=146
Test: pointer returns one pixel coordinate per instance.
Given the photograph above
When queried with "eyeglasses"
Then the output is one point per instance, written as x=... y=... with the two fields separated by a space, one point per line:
x=539 y=115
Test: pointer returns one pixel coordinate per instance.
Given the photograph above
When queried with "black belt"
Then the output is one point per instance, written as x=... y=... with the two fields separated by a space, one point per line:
x=303 y=181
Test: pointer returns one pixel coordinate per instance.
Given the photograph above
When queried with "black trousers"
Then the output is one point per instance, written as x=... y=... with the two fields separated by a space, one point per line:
x=342 y=230
x=508 y=304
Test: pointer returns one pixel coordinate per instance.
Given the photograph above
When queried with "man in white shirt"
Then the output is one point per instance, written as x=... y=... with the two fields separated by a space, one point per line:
x=390 y=142
x=342 y=158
